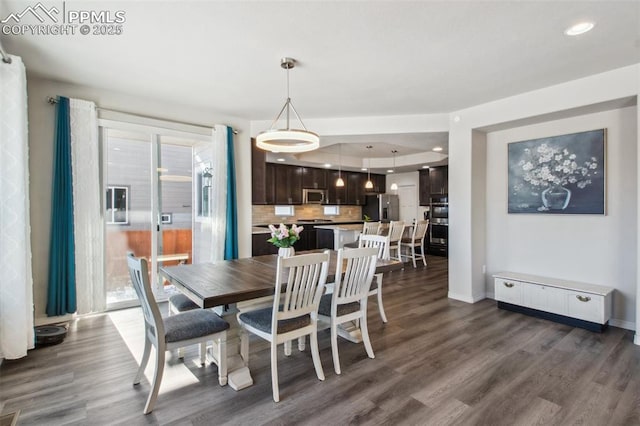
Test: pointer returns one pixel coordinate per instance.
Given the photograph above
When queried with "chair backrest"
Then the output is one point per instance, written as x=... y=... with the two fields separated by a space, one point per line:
x=419 y=230
x=353 y=284
x=304 y=286
x=370 y=228
x=380 y=242
x=139 y=271
x=396 y=229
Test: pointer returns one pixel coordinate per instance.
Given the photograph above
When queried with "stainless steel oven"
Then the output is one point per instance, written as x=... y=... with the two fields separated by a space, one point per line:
x=439 y=224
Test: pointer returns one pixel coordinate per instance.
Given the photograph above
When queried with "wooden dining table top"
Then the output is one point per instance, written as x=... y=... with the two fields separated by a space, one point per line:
x=232 y=281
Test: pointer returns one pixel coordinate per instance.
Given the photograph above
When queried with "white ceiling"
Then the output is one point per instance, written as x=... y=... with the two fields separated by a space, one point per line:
x=356 y=58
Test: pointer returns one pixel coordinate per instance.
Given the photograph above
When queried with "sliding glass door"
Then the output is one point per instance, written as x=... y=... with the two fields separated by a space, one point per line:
x=152 y=200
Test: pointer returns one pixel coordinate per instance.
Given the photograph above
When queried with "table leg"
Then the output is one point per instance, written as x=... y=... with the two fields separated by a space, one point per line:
x=238 y=376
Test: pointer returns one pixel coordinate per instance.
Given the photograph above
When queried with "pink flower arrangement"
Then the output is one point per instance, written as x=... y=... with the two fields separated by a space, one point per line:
x=284 y=237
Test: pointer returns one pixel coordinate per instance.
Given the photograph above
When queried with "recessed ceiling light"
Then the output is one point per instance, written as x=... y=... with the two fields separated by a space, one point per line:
x=116 y=149
x=437 y=148
x=578 y=29
x=364 y=169
x=327 y=165
x=425 y=167
x=390 y=171
x=280 y=159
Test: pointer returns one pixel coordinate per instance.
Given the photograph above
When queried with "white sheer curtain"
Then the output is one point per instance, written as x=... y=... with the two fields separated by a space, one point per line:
x=87 y=217
x=218 y=192
x=16 y=282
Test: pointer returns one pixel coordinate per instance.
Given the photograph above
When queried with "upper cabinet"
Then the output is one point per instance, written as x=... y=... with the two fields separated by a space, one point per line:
x=288 y=184
x=425 y=187
x=439 y=180
x=313 y=178
x=282 y=184
x=258 y=175
x=336 y=195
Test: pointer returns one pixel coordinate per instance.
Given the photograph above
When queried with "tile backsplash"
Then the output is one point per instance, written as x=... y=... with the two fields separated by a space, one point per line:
x=266 y=214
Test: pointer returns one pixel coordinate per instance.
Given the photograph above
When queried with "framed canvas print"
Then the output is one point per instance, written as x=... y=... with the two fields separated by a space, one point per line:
x=558 y=175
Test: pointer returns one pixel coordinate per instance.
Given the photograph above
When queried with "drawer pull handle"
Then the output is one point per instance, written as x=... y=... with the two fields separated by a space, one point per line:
x=508 y=285
x=583 y=298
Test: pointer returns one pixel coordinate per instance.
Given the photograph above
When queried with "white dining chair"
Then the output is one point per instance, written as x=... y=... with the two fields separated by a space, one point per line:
x=416 y=240
x=370 y=228
x=381 y=244
x=348 y=302
x=396 y=230
x=183 y=329
x=294 y=314
x=181 y=303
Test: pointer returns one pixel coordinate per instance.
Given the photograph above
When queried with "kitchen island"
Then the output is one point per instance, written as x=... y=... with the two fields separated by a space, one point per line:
x=342 y=234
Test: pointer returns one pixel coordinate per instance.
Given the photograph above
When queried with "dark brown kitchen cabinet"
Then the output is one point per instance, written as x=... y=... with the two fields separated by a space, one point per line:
x=258 y=175
x=355 y=182
x=336 y=195
x=288 y=184
x=425 y=187
x=439 y=180
x=379 y=184
x=313 y=178
x=324 y=239
x=260 y=246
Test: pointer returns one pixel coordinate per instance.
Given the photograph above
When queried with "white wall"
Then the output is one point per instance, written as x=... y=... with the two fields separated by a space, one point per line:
x=41 y=131
x=406 y=181
x=589 y=248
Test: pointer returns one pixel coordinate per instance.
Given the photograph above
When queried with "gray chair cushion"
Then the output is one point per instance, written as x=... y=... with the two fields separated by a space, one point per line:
x=182 y=303
x=261 y=319
x=347 y=308
x=192 y=324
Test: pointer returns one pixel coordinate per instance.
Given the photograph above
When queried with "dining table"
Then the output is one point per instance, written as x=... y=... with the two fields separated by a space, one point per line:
x=233 y=286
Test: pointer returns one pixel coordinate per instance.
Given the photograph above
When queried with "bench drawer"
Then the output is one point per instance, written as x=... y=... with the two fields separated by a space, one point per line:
x=586 y=306
x=508 y=291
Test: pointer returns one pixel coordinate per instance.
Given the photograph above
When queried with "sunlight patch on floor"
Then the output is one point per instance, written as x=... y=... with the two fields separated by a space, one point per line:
x=130 y=325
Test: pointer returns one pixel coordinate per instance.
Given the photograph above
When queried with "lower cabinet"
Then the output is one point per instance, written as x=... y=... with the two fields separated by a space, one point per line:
x=324 y=239
x=574 y=303
x=260 y=246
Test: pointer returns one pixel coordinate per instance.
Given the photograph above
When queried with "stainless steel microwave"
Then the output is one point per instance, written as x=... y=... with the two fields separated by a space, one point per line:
x=314 y=196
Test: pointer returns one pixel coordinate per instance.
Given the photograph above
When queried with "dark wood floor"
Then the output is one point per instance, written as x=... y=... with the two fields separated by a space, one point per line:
x=438 y=361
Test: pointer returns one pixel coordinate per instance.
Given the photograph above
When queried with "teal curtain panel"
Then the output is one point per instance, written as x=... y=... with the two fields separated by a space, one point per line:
x=61 y=297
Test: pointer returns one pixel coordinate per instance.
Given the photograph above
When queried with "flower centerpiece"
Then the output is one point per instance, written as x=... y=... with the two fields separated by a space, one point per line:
x=550 y=169
x=284 y=238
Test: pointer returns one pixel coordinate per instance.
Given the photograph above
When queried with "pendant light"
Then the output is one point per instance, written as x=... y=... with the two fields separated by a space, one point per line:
x=340 y=182
x=288 y=140
x=369 y=184
x=394 y=186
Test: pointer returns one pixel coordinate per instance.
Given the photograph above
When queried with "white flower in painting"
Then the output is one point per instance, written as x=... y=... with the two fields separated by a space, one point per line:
x=547 y=165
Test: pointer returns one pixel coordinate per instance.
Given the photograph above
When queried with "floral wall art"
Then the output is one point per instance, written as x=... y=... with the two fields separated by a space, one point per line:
x=558 y=175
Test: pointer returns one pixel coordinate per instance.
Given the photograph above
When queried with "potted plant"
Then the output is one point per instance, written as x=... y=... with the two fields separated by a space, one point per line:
x=284 y=238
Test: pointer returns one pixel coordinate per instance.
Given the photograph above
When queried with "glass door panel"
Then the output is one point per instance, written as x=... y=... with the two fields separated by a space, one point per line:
x=128 y=209
x=175 y=205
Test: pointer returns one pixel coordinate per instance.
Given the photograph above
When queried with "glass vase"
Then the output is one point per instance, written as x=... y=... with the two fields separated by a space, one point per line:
x=556 y=197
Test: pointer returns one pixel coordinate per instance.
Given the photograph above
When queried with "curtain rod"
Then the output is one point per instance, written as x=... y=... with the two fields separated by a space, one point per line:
x=52 y=100
x=5 y=57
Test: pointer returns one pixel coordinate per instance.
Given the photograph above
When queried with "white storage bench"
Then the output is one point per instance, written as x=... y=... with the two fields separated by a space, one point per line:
x=569 y=302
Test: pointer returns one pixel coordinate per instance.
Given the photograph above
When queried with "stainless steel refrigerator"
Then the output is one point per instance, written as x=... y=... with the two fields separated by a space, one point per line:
x=382 y=207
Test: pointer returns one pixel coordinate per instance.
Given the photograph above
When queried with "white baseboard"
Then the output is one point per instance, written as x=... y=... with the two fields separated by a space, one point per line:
x=627 y=325
x=53 y=320
x=636 y=339
x=465 y=298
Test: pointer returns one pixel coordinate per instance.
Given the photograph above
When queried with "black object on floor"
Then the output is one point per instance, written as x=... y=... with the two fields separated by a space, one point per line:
x=50 y=335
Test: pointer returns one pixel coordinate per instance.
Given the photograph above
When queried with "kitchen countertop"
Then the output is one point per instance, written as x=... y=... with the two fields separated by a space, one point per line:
x=261 y=228
x=354 y=227
x=258 y=230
